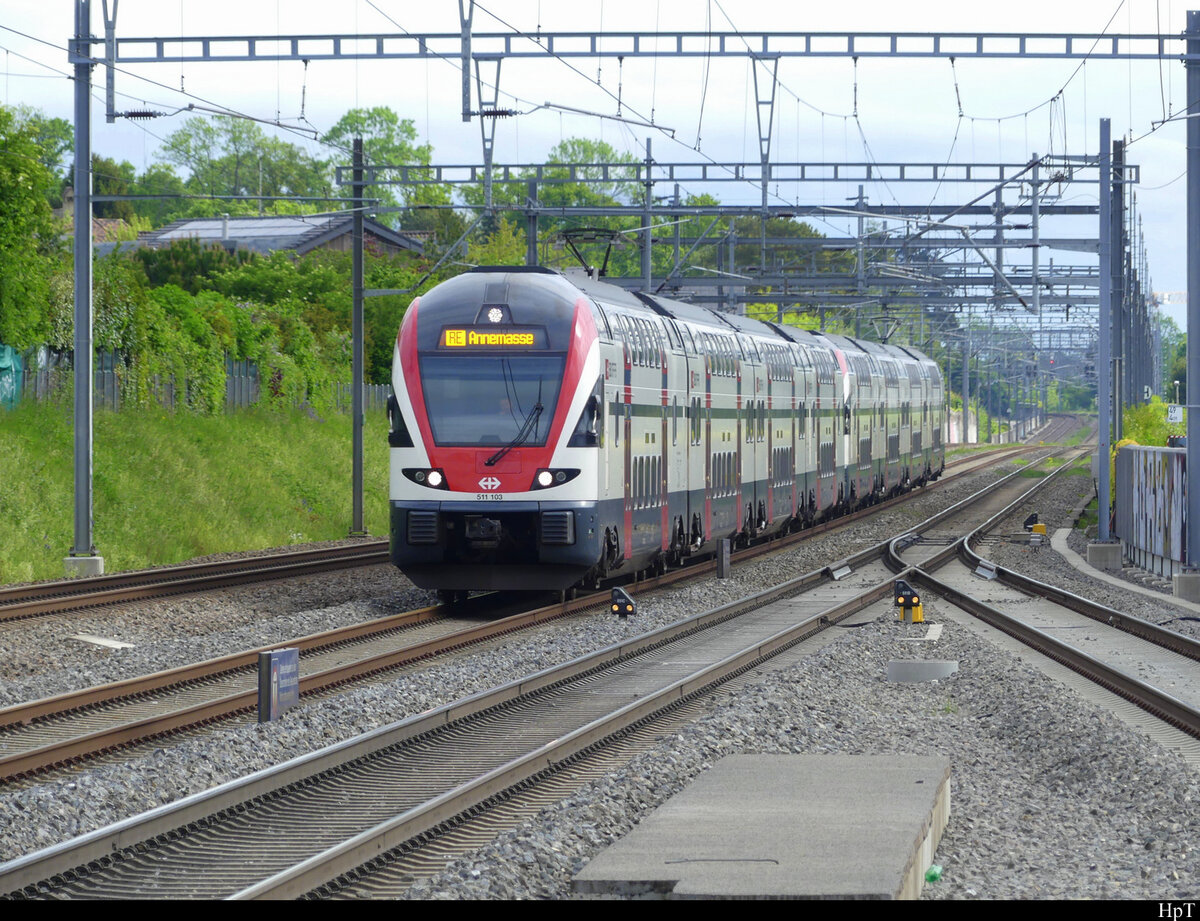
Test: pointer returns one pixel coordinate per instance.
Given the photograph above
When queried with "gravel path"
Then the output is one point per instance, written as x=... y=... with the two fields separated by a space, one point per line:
x=1071 y=806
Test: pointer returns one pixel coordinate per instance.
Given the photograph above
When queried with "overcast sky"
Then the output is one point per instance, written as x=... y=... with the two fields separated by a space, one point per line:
x=908 y=110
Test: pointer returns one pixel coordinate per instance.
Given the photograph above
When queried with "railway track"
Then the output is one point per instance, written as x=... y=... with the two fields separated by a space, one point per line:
x=42 y=598
x=70 y=729
x=1155 y=668
x=736 y=636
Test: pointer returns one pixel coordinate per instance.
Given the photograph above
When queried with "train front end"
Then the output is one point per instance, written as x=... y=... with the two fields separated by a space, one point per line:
x=494 y=439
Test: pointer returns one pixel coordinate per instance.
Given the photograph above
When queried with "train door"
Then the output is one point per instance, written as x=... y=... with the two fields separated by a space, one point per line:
x=690 y=441
x=750 y=418
x=624 y=424
x=709 y=354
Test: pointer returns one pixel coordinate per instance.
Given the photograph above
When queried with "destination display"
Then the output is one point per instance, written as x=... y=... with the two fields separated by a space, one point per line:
x=492 y=337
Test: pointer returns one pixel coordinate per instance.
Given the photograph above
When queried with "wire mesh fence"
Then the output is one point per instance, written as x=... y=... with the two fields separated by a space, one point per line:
x=48 y=375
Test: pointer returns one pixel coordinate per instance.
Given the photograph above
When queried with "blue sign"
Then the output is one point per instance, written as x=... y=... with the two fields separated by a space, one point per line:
x=278 y=682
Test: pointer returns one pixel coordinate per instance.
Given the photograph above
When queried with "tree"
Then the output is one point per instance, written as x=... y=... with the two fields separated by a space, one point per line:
x=389 y=140
x=159 y=179
x=230 y=156
x=1174 y=358
x=27 y=237
x=559 y=193
x=112 y=178
x=54 y=137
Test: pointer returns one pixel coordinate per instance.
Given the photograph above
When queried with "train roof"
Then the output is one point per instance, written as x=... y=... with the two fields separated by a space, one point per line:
x=539 y=277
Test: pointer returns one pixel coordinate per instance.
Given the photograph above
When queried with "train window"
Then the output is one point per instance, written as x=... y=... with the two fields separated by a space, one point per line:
x=622 y=336
x=617 y=411
x=657 y=346
x=673 y=336
x=490 y=399
x=603 y=320
x=685 y=337
x=587 y=429
x=674 y=421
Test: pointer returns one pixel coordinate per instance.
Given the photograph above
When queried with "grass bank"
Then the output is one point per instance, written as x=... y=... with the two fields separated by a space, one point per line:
x=171 y=487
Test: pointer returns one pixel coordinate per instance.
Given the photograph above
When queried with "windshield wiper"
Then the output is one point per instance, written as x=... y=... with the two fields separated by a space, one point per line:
x=522 y=436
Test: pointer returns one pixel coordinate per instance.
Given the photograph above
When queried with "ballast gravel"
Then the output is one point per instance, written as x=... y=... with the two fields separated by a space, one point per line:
x=1052 y=797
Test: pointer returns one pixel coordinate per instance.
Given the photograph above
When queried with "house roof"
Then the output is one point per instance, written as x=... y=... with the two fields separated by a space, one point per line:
x=266 y=234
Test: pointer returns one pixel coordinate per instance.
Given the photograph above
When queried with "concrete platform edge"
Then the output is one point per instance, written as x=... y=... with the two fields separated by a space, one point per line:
x=1058 y=543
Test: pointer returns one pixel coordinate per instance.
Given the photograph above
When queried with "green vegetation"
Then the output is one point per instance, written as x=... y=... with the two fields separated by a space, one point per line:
x=1146 y=423
x=172 y=487
x=964 y=450
x=1090 y=517
x=27 y=239
x=1080 y=436
x=1174 y=359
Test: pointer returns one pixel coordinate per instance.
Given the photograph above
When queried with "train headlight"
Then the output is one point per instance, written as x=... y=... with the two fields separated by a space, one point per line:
x=433 y=477
x=554 y=476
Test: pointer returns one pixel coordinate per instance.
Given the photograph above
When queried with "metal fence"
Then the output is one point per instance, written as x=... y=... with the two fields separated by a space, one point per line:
x=1151 y=507
x=47 y=375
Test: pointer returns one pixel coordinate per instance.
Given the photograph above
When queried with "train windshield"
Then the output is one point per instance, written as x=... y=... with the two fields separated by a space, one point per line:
x=486 y=399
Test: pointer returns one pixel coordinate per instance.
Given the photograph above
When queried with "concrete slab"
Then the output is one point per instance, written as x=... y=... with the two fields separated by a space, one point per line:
x=786 y=826
x=1104 y=555
x=1186 y=585
x=79 y=567
x=916 y=670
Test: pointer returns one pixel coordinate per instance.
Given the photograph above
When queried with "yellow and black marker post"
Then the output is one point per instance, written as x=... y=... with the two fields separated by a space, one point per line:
x=908 y=600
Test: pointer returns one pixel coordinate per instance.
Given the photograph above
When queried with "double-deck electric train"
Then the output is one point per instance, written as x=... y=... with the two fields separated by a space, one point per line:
x=550 y=430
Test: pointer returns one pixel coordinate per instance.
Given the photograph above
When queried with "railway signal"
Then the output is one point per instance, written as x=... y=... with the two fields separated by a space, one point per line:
x=908 y=600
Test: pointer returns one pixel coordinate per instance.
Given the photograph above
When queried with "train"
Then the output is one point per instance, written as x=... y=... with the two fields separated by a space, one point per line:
x=549 y=431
